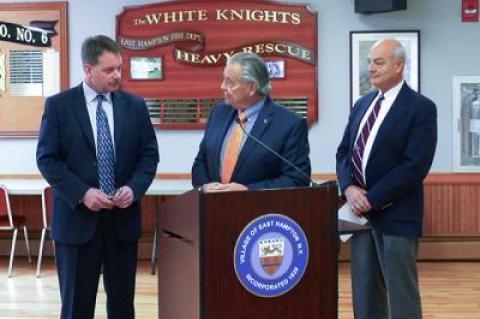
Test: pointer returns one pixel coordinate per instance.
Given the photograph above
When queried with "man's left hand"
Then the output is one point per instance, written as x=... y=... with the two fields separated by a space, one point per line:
x=123 y=197
x=235 y=187
x=219 y=187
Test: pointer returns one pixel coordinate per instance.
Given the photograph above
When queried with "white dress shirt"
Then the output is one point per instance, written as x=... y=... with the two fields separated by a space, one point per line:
x=389 y=98
x=91 y=102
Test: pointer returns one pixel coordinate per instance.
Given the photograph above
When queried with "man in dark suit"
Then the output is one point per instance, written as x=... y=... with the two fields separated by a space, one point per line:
x=98 y=150
x=227 y=159
x=386 y=152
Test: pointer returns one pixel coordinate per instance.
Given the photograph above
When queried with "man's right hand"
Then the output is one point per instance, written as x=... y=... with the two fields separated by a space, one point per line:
x=94 y=199
x=357 y=199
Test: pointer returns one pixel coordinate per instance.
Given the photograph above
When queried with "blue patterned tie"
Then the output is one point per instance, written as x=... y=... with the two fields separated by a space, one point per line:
x=105 y=154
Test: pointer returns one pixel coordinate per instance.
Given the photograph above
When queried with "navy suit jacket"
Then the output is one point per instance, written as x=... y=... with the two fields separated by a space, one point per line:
x=400 y=158
x=257 y=168
x=66 y=157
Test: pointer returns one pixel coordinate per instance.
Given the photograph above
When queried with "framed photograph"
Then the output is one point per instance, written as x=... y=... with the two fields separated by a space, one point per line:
x=360 y=44
x=146 y=68
x=33 y=63
x=276 y=69
x=466 y=123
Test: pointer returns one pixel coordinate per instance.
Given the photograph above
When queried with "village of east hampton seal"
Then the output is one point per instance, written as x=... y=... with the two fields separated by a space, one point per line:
x=271 y=255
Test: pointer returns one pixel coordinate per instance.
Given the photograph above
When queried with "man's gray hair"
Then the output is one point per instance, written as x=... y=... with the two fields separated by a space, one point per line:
x=94 y=46
x=253 y=70
x=399 y=53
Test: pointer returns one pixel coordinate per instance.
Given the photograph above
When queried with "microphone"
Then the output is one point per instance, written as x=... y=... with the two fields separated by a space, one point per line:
x=298 y=169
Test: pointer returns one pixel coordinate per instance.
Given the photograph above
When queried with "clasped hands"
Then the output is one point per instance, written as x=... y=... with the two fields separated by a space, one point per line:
x=219 y=187
x=95 y=200
x=357 y=199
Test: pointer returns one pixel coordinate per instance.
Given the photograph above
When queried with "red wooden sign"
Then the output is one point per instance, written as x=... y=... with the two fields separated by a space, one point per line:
x=174 y=54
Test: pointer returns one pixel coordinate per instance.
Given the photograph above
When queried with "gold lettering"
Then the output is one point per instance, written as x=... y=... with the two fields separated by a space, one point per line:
x=269 y=47
x=280 y=48
x=181 y=56
x=238 y=14
x=215 y=57
x=192 y=36
x=259 y=48
x=283 y=16
x=153 y=18
x=294 y=50
x=202 y=15
x=138 y=22
x=189 y=15
x=247 y=49
x=306 y=54
x=270 y=16
x=206 y=60
x=169 y=16
x=257 y=15
x=194 y=57
x=296 y=18
x=221 y=15
x=247 y=15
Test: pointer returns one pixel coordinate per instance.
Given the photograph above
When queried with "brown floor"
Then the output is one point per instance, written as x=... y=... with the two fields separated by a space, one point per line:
x=449 y=290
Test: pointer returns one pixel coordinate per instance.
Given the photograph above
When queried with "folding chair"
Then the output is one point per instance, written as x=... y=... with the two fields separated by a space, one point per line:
x=11 y=222
x=47 y=201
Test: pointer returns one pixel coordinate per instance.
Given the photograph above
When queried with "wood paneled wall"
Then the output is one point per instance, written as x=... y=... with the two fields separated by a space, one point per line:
x=451 y=222
x=452 y=205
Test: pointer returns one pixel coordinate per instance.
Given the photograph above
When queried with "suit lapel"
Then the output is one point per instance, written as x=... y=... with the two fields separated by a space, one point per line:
x=119 y=115
x=81 y=113
x=263 y=120
x=358 y=118
x=395 y=113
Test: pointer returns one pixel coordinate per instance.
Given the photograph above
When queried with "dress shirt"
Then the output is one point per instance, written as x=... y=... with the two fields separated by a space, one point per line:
x=252 y=114
x=389 y=98
x=91 y=102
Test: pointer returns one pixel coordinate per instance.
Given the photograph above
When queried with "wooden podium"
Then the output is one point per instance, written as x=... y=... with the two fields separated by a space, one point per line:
x=198 y=233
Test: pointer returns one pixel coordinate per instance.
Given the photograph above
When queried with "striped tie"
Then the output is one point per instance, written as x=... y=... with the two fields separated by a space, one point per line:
x=359 y=146
x=232 y=149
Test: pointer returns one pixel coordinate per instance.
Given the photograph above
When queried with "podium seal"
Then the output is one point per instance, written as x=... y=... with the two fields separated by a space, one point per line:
x=271 y=255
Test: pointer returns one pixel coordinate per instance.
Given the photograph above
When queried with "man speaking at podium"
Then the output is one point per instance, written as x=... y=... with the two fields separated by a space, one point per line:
x=251 y=142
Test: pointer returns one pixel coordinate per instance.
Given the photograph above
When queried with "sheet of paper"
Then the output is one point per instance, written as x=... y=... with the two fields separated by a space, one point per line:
x=346 y=213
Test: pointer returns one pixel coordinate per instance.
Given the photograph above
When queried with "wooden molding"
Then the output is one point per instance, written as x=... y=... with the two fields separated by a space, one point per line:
x=430 y=249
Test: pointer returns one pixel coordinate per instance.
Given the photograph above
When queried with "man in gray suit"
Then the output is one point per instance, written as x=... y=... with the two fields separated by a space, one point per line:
x=386 y=152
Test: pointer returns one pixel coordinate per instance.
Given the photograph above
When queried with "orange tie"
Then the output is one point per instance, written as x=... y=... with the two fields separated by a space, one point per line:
x=233 y=149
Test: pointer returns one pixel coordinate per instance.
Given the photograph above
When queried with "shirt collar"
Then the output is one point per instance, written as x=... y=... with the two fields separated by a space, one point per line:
x=91 y=94
x=253 y=110
x=393 y=92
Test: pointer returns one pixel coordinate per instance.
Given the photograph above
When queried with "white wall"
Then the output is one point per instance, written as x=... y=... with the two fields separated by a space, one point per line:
x=448 y=48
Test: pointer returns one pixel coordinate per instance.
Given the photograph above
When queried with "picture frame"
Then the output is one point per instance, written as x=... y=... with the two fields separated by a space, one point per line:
x=33 y=63
x=146 y=68
x=360 y=44
x=276 y=69
x=466 y=123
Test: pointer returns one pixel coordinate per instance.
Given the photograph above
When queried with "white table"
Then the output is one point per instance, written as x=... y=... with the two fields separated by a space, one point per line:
x=35 y=186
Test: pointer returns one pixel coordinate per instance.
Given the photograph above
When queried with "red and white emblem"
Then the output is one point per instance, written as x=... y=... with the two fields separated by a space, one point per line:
x=271 y=254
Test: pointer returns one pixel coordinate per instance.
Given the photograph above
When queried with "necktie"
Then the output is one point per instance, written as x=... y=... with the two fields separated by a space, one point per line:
x=232 y=148
x=359 y=146
x=105 y=154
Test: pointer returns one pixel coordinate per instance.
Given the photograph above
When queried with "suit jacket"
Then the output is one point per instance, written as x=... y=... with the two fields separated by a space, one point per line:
x=257 y=168
x=66 y=157
x=401 y=156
